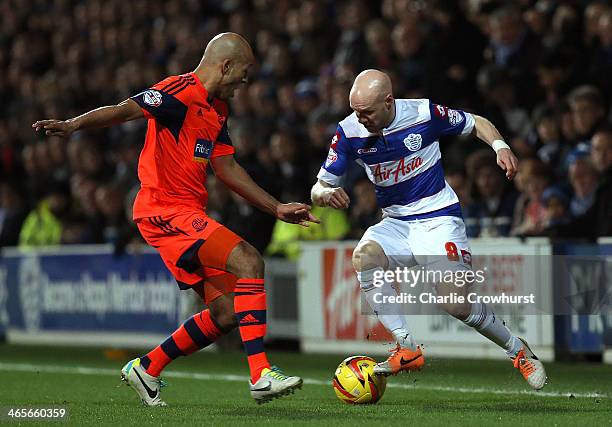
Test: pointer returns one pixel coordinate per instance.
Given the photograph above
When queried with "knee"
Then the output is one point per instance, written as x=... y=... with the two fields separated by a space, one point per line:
x=226 y=321
x=368 y=255
x=222 y=312
x=246 y=262
x=458 y=311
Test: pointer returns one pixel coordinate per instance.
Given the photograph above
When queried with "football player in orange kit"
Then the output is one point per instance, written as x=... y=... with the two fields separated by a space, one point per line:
x=187 y=129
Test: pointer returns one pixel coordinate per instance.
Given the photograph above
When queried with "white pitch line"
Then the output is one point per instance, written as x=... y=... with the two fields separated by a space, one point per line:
x=84 y=370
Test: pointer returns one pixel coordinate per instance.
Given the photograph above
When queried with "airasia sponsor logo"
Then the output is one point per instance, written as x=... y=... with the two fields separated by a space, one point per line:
x=396 y=171
x=342 y=309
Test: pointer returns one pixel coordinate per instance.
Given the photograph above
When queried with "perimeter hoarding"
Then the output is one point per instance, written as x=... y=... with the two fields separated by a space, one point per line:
x=332 y=316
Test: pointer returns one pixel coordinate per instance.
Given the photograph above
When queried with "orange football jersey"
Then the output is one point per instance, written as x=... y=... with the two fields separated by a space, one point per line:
x=185 y=130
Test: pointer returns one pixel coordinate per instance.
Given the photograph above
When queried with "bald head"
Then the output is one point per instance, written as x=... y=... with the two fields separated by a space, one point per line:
x=370 y=86
x=225 y=64
x=226 y=46
x=372 y=100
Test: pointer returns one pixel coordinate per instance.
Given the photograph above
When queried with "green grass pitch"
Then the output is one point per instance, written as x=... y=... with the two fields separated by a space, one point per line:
x=210 y=389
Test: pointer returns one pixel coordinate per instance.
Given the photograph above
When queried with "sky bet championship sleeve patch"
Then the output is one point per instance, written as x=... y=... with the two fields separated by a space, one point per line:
x=202 y=150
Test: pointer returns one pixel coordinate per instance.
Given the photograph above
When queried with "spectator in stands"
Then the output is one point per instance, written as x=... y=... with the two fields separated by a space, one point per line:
x=320 y=132
x=555 y=76
x=556 y=207
x=377 y=35
x=451 y=72
x=363 y=211
x=109 y=200
x=490 y=212
x=529 y=219
x=458 y=181
x=601 y=151
x=499 y=92
x=12 y=214
x=588 y=112
x=286 y=240
x=551 y=147
x=409 y=46
x=592 y=14
x=61 y=57
x=289 y=166
x=515 y=48
x=600 y=59
x=43 y=225
x=351 y=50
x=583 y=180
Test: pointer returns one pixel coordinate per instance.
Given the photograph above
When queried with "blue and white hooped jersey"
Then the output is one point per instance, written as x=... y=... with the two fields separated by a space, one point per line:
x=404 y=163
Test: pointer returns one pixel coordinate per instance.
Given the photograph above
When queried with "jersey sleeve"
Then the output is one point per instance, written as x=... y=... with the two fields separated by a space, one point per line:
x=223 y=146
x=337 y=160
x=167 y=101
x=447 y=121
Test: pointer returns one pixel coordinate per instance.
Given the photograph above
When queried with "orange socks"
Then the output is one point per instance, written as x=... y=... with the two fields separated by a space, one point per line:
x=250 y=309
x=196 y=333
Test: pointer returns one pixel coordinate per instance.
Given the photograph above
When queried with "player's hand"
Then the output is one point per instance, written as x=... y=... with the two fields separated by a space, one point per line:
x=296 y=213
x=508 y=162
x=61 y=128
x=336 y=198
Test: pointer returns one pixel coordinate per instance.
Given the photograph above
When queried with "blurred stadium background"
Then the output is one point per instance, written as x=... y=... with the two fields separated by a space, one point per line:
x=72 y=258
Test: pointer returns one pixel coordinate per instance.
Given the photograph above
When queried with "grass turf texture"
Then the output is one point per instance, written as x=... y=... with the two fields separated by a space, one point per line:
x=423 y=398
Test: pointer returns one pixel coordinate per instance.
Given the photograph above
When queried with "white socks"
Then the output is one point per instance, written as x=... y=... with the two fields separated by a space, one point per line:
x=487 y=324
x=481 y=317
x=394 y=323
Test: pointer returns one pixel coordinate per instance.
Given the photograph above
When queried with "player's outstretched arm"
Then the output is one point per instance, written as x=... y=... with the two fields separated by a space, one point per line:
x=98 y=118
x=323 y=194
x=238 y=180
x=487 y=132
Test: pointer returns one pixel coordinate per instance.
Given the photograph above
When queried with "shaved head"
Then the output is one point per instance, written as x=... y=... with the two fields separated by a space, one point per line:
x=225 y=64
x=227 y=46
x=370 y=86
x=371 y=98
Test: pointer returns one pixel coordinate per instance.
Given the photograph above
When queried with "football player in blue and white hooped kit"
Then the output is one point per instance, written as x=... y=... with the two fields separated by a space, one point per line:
x=396 y=141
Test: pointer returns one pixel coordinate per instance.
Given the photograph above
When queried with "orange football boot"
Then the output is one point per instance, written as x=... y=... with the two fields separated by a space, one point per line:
x=401 y=359
x=530 y=366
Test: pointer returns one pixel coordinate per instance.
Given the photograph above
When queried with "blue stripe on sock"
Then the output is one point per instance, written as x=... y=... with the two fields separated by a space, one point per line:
x=145 y=362
x=254 y=346
x=196 y=334
x=171 y=349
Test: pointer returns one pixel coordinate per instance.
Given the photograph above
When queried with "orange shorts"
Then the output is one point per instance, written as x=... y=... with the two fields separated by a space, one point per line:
x=180 y=237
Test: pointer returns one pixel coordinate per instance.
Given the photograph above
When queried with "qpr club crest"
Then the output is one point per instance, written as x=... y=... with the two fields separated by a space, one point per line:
x=152 y=98
x=413 y=141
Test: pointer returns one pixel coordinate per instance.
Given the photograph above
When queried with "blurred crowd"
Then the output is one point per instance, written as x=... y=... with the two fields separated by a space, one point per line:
x=539 y=70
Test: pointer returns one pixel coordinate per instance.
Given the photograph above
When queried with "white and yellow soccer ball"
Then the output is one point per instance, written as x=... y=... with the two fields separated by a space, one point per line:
x=355 y=381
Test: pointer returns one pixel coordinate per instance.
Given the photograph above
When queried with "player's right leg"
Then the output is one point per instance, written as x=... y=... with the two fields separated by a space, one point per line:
x=247 y=264
x=369 y=258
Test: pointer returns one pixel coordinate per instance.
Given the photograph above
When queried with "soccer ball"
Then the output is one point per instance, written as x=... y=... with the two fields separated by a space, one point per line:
x=355 y=381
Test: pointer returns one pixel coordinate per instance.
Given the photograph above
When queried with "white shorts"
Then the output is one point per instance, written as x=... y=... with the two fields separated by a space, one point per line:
x=422 y=242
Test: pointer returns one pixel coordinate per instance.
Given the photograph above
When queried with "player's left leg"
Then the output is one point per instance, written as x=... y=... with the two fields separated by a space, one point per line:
x=447 y=245
x=196 y=333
